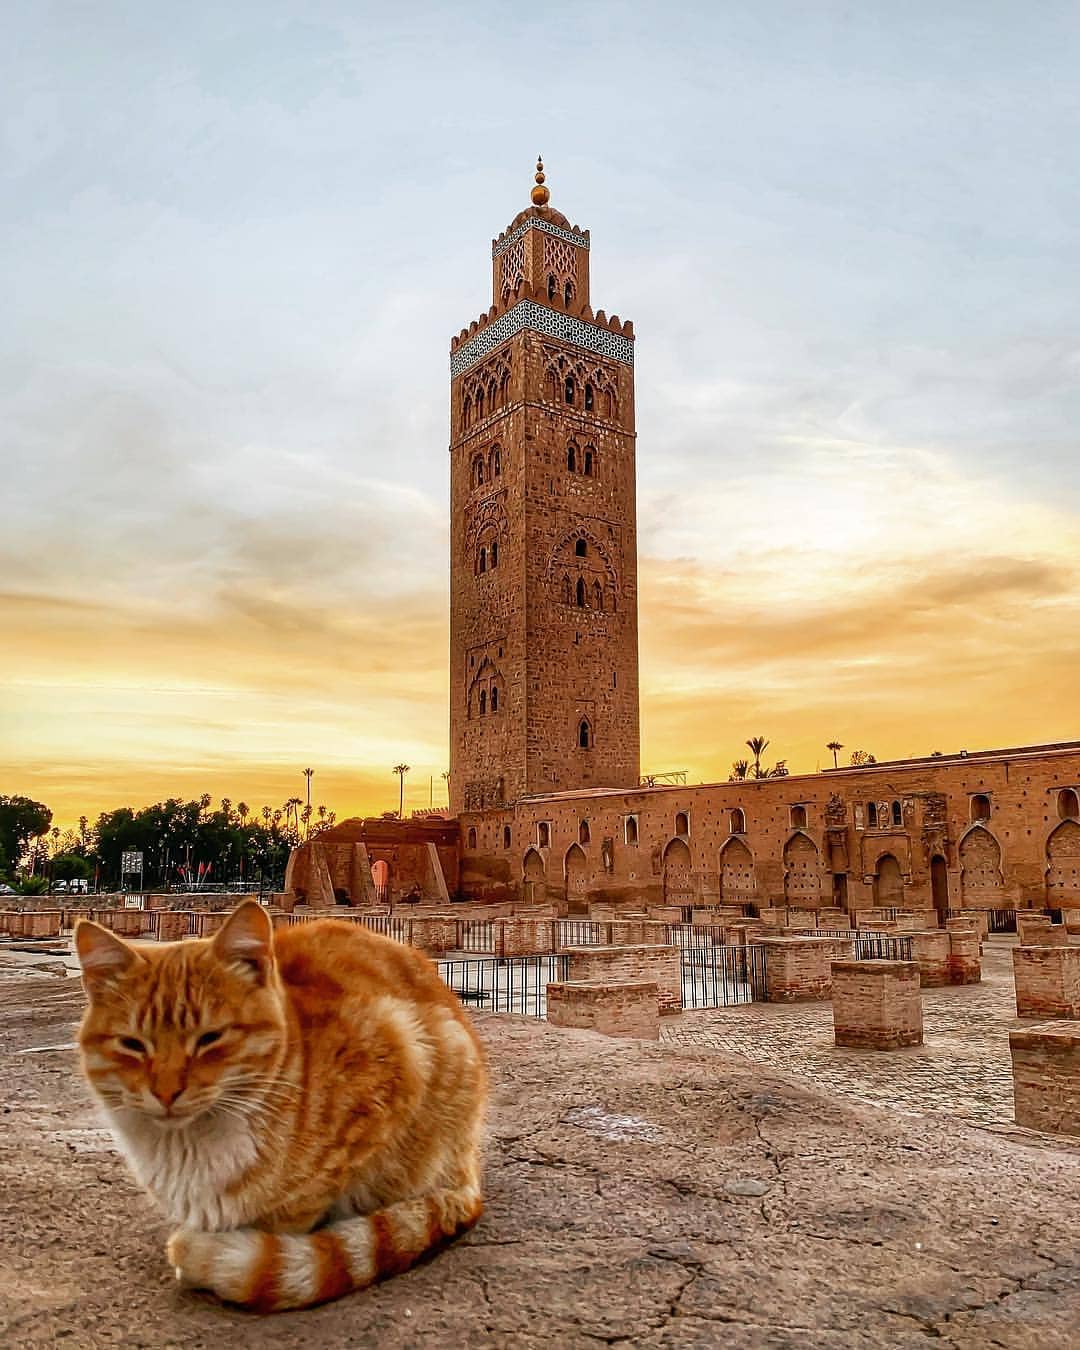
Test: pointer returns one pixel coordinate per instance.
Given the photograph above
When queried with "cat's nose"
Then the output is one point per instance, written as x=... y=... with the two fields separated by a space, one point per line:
x=166 y=1096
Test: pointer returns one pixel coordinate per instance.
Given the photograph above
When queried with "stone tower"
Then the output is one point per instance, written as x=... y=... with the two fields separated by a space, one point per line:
x=543 y=563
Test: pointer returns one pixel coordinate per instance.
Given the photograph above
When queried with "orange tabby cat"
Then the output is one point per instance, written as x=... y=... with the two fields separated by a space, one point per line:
x=305 y=1105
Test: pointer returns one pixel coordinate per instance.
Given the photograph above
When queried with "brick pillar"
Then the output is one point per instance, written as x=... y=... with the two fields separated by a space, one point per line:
x=931 y=951
x=524 y=937
x=1047 y=981
x=876 y=1004
x=433 y=933
x=1046 y=1077
x=1070 y=918
x=800 y=968
x=606 y=965
x=628 y=1008
x=1037 y=930
x=673 y=913
x=965 y=965
x=173 y=925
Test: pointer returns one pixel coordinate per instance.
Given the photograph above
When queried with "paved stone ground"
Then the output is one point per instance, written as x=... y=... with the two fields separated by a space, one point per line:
x=962 y=1069
x=660 y=1196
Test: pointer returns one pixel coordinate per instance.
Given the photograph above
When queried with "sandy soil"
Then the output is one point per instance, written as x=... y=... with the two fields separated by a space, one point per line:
x=652 y=1195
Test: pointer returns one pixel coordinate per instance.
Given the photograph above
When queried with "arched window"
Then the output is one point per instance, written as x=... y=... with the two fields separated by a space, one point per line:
x=1068 y=804
x=581 y=602
x=898 y=814
x=551 y=285
x=466 y=412
x=495 y=699
x=496 y=462
x=584 y=735
x=504 y=389
x=588 y=398
x=482 y=564
x=682 y=823
x=598 y=597
x=571 y=457
x=798 y=817
x=543 y=834
x=738 y=821
x=980 y=806
x=581 y=549
x=871 y=815
x=630 y=828
x=472 y=836
x=568 y=390
x=587 y=465
x=477 y=471
x=506 y=836
x=483 y=702
x=479 y=405
x=583 y=832
x=568 y=591
x=568 y=293
x=494 y=553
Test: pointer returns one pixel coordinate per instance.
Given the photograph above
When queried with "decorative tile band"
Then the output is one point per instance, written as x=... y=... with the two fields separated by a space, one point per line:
x=537 y=223
x=528 y=314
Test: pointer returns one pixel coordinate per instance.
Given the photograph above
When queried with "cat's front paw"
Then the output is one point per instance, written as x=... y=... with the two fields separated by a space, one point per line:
x=189 y=1253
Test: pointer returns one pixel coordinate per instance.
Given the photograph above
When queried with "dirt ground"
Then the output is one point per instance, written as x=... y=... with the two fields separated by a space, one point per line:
x=650 y=1195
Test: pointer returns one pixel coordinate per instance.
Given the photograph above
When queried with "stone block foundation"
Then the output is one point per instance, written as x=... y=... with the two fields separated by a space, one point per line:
x=433 y=934
x=524 y=937
x=876 y=1004
x=1046 y=1077
x=631 y=965
x=1037 y=930
x=965 y=957
x=931 y=951
x=1047 y=981
x=628 y=1008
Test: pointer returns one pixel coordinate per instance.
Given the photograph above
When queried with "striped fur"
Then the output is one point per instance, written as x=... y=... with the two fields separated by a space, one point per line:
x=305 y=1106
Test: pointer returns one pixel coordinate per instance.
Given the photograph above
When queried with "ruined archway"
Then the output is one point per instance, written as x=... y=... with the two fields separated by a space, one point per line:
x=534 y=878
x=678 y=889
x=802 y=872
x=737 y=882
x=380 y=875
x=577 y=880
x=981 y=885
x=888 y=883
x=1063 y=867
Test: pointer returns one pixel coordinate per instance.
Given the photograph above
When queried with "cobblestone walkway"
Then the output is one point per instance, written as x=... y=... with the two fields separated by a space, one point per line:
x=963 y=1069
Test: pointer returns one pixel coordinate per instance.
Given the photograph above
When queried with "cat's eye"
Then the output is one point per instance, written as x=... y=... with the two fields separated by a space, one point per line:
x=133 y=1044
x=208 y=1038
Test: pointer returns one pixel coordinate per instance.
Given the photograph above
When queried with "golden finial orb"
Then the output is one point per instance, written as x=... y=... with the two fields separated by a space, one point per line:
x=540 y=194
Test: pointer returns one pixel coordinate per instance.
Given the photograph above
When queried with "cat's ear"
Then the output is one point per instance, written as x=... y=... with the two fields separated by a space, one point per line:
x=247 y=939
x=103 y=956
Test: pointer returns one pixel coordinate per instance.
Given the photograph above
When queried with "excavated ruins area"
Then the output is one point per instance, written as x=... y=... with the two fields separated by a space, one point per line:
x=645 y=1194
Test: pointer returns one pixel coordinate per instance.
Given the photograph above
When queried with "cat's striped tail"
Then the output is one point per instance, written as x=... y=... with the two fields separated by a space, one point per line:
x=269 y=1272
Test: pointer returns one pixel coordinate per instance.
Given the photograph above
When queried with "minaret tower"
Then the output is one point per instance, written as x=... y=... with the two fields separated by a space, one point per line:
x=543 y=562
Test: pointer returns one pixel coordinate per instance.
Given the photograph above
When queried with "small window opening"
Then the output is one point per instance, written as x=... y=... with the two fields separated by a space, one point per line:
x=506 y=836
x=588 y=398
x=798 y=817
x=543 y=834
x=495 y=700
x=494 y=553
x=898 y=814
x=598 y=597
x=583 y=832
x=568 y=293
x=871 y=815
x=631 y=829
x=581 y=604
x=581 y=549
x=483 y=702
x=551 y=285
x=738 y=821
x=1068 y=804
x=571 y=458
x=584 y=735
x=587 y=467
x=496 y=462
x=682 y=823
x=472 y=836
x=568 y=389
x=483 y=560
x=980 y=807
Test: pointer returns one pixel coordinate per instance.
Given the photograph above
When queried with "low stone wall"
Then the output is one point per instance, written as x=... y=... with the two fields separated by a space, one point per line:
x=661 y=965
x=41 y=923
x=174 y=925
x=1046 y=1077
x=1047 y=981
x=1038 y=930
x=629 y=1008
x=524 y=937
x=800 y=968
x=1070 y=918
x=433 y=934
x=876 y=1004
x=931 y=950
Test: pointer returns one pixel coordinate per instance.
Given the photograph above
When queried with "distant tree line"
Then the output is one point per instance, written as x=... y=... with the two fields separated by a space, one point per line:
x=183 y=843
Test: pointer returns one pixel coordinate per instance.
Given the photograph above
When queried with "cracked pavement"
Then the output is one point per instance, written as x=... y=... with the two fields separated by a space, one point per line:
x=655 y=1195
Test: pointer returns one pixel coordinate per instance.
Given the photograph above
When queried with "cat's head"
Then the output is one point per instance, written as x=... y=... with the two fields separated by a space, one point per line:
x=175 y=1030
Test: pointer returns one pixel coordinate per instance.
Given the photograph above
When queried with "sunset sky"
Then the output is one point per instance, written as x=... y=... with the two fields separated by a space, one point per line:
x=236 y=240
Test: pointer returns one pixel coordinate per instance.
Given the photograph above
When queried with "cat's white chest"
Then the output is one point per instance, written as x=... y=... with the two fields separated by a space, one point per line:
x=190 y=1172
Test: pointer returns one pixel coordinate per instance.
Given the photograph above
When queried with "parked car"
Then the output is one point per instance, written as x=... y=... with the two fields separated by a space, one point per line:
x=60 y=888
x=8 y=890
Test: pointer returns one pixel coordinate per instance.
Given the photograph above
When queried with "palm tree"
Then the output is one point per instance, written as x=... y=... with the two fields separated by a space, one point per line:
x=835 y=747
x=401 y=770
x=243 y=811
x=757 y=745
x=738 y=770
